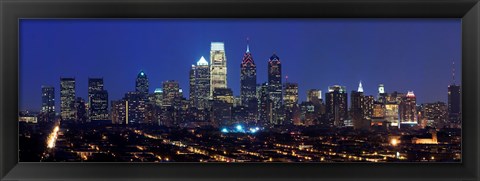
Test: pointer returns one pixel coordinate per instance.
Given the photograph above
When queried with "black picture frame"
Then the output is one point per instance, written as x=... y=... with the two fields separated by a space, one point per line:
x=12 y=10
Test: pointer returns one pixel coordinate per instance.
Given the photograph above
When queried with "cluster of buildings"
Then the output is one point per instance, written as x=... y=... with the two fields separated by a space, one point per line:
x=212 y=103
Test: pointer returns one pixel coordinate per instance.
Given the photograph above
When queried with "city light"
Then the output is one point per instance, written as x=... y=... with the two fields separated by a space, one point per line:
x=52 y=138
x=214 y=124
x=224 y=130
x=394 y=142
x=239 y=128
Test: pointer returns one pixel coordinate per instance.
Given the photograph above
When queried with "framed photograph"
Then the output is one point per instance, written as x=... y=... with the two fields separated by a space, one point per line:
x=239 y=90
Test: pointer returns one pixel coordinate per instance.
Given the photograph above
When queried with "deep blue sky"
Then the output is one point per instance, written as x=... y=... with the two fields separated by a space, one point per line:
x=403 y=54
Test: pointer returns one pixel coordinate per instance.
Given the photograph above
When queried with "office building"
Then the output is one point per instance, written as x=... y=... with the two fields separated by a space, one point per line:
x=67 y=98
x=218 y=67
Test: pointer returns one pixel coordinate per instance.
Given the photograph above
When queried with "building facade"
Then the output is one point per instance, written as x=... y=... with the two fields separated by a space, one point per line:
x=48 y=102
x=336 y=105
x=141 y=84
x=275 y=88
x=67 y=98
x=218 y=67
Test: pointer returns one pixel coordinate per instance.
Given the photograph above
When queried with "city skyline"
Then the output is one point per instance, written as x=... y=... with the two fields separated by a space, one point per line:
x=117 y=86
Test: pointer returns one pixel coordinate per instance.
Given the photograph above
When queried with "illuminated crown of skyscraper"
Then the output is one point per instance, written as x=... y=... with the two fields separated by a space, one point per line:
x=202 y=61
x=360 y=87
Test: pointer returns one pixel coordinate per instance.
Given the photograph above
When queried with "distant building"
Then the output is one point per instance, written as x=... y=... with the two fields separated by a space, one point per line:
x=378 y=113
x=436 y=113
x=265 y=105
x=368 y=105
x=309 y=114
x=408 y=109
x=98 y=100
x=454 y=102
x=336 y=104
x=67 y=98
x=81 y=110
x=132 y=109
x=357 y=109
x=172 y=95
x=218 y=67
x=314 y=96
x=382 y=95
x=222 y=106
x=423 y=140
x=392 y=114
x=248 y=85
x=275 y=88
x=141 y=84
x=290 y=100
x=27 y=117
x=454 y=106
x=200 y=84
x=48 y=103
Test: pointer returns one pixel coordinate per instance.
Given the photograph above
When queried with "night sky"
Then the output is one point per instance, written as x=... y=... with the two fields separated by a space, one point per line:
x=403 y=54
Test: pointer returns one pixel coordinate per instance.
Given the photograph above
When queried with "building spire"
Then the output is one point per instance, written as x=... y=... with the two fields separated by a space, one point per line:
x=360 y=87
x=453 y=71
x=248 y=46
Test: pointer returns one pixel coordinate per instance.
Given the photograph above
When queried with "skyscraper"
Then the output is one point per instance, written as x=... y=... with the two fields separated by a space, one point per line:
x=141 y=84
x=99 y=106
x=381 y=97
x=336 y=104
x=191 y=93
x=97 y=100
x=218 y=67
x=171 y=93
x=409 y=109
x=200 y=84
x=264 y=105
x=290 y=100
x=135 y=108
x=454 y=106
x=454 y=102
x=275 y=87
x=48 y=102
x=67 y=98
x=81 y=110
x=248 y=85
x=357 y=106
x=314 y=96
x=248 y=79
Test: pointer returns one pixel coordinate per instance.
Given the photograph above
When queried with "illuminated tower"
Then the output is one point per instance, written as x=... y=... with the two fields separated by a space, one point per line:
x=200 y=80
x=67 y=98
x=141 y=83
x=248 y=85
x=275 y=87
x=381 y=97
x=409 y=109
x=360 y=87
x=218 y=67
x=290 y=99
x=336 y=104
x=48 y=102
x=248 y=78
